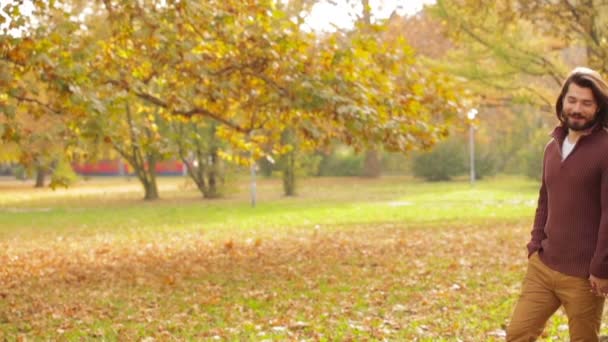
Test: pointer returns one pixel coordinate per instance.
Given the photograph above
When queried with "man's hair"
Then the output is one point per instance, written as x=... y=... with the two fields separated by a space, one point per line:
x=586 y=78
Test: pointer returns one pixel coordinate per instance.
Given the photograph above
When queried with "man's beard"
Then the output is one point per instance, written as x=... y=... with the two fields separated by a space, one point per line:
x=576 y=126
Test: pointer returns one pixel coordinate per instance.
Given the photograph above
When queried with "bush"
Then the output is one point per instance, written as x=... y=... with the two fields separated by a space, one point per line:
x=6 y=169
x=341 y=165
x=485 y=163
x=396 y=163
x=307 y=164
x=63 y=175
x=531 y=158
x=444 y=161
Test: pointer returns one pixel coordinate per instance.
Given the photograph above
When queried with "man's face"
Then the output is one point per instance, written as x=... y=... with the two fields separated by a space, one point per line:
x=579 y=108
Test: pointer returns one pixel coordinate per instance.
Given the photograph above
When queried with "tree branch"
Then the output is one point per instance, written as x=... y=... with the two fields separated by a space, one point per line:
x=190 y=112
x=38 y=102
x=183 y=112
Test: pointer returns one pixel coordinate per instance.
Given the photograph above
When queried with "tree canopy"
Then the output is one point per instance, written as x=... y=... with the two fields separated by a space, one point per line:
x=246 y=66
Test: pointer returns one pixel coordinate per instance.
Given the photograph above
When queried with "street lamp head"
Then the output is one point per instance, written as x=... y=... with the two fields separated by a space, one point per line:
x=472 y=113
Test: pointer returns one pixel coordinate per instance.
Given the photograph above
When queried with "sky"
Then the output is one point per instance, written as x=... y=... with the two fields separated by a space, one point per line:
x=325 y=16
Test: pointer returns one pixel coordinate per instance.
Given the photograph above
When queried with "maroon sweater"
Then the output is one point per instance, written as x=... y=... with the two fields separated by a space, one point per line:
x=571 y=223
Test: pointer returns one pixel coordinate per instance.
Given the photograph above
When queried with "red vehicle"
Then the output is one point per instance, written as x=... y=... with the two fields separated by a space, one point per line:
x=119 y=167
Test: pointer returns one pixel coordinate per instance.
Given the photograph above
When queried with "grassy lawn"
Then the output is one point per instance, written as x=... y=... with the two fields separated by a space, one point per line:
x=348 y=259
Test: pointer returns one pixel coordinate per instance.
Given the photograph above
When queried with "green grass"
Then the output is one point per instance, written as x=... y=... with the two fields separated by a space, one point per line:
x=324 y=202
x=348 y=259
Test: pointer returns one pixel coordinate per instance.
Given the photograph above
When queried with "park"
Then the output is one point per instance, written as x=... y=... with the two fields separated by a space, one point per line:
x=356 y=259
x=278 y=170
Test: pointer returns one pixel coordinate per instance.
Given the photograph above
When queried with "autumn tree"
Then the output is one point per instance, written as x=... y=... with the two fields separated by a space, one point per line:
x=371 y=163
x=248 y=67
x=197 y=146
x=41 y=63
x=43 y=148
x=252 y=70
x=514 y=56
x=134 y=130
x=525 y=48
x=393 y=44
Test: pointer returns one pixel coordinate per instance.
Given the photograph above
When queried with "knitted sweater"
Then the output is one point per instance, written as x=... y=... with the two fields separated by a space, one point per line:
x=571 y=224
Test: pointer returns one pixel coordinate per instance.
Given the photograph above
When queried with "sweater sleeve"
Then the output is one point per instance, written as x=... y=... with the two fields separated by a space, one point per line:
x=599 y=262
x=540 y=219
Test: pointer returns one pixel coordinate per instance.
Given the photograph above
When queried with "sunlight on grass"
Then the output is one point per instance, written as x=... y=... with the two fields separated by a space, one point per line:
x=82 y=210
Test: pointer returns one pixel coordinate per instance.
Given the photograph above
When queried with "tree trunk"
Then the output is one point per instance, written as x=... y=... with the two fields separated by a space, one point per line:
x=198 y=175
x=372 y=166
x=151 y=191
x=146 y=177
x=142 y=162
x=215 y=172
x=289 y=174
x=150 y=186
x=289 y=163
x=205 y=170
x=40 y=176
x=367 y=12
x=212 y=175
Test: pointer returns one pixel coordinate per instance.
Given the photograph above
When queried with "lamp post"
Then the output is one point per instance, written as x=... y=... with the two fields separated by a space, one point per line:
x=471 y=115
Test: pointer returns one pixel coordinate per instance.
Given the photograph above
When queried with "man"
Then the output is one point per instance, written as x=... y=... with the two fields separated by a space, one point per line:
x=568 y=251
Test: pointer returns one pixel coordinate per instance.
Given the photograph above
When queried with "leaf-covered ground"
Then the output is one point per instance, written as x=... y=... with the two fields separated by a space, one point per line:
x=324 y=282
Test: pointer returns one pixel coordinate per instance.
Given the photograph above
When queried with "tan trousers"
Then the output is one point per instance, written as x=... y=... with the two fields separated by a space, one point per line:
x=543 y=291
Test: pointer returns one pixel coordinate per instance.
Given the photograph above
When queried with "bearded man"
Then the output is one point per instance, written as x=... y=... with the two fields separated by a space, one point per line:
x=568 y=250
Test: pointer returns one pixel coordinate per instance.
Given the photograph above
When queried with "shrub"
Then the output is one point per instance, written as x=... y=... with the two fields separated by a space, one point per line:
x=340 y=165
x=485 y=163
x=444 y=161
x=63 y=175
x=531 y=158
